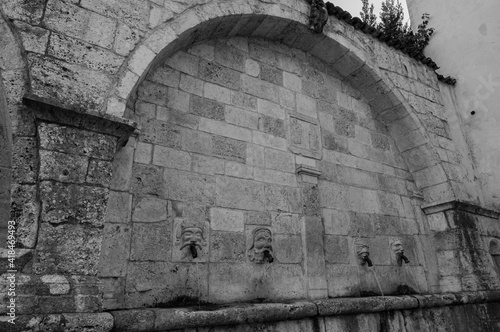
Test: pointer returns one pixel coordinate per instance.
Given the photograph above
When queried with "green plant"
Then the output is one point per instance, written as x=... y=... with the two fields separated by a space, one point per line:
x=367 y=14
x=394 y=31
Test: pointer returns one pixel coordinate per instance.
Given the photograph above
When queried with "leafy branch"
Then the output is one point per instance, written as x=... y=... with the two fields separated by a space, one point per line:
x=394 y=32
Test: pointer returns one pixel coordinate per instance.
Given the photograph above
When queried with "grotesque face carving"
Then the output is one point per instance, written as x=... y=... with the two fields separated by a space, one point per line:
x=190 y=238
x=261 y=250
x=397 y=247
x=363 y=252
x=191 y=235
x=362 y=249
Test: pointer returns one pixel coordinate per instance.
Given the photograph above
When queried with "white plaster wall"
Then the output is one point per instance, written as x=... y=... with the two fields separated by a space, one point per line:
x=466 y=45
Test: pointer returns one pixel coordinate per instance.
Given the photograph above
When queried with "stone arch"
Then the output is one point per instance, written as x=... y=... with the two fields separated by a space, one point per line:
x=354 y=62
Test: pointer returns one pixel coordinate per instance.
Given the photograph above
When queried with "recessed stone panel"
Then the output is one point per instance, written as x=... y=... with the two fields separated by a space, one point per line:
x=304 y=136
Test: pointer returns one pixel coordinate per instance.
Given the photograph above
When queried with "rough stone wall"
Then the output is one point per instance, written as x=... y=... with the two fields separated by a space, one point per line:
x=463 y=242
x=224 y=127
x=69 y=192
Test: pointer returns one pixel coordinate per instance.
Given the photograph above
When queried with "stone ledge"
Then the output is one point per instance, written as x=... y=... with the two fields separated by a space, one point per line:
x=155 y=319
x=178 y=318
x=461 y=206
x=97 y=322
x=51 y=111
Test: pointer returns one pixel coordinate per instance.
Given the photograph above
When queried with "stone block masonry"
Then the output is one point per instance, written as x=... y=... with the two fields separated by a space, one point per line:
x=257 y=169
x=220 y=144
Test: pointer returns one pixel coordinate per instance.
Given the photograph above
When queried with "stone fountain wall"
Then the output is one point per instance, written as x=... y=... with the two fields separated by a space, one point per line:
x=318 y=144
x=242 y=133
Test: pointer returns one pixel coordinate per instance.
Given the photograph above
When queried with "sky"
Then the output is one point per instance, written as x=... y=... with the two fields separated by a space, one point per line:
x=354 y=6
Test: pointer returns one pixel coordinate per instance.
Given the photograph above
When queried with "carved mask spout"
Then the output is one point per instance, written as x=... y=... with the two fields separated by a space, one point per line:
x=193 y=250
x=268 y=256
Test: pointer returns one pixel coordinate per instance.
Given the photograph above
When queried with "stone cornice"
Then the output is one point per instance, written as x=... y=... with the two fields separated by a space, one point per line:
x=460 y=206
x=50 y=111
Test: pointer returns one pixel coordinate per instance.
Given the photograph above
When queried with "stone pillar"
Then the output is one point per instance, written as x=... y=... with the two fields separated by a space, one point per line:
x=313 y=233
x=461 y=233
x=68 y=198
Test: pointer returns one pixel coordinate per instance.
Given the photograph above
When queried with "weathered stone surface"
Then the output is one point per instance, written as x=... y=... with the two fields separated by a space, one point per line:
x=361 y=224
x=207 y=108
x=148 y=180
x=279 y=160
x=126 y=39
x=184 y=62
x=63 y=167
x=334 y=142
x=226 y=220
x=115 y=250
x=283 y=198
x=151 y=242
x=343 y=280
x=122 y=168
x=229 y=281
x=229 y=56
x=227 y=247
x=25 y=210
x=239 y=193
x=310 y=199
x=30 y=12
x=271 y=75
x=212 y=72
x=68 y=249
x=241 y=117
x=225 y=129
x=133 y=319
x=243 y=100
x=162 y=133
x=273 y=126
x=288 y=248
x=75 y=51
x=98 y=322
x=132 y=14
x=186 y=186
x=207 y=165
x=228 y=148
x=286 y=223
x=99 y=173
x=58 y=284
x=258 y=88
x=258 y=218
x=80 y=23
x=177 y=117
x=168 y=282
x=149 y=209
x=119 y=207
x=153 y=93
x=76 y=141
x=171 y=158
x=70 y=203
x=337 y=249
x=70 y=84
x=24 y=160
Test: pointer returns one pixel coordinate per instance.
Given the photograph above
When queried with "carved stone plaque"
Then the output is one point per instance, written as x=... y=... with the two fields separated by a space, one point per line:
x=304 y=136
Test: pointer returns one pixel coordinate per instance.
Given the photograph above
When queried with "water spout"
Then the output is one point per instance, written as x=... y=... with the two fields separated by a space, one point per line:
x=368 y=261
x=404 y=258
x=267 y=257
x=193 y=250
